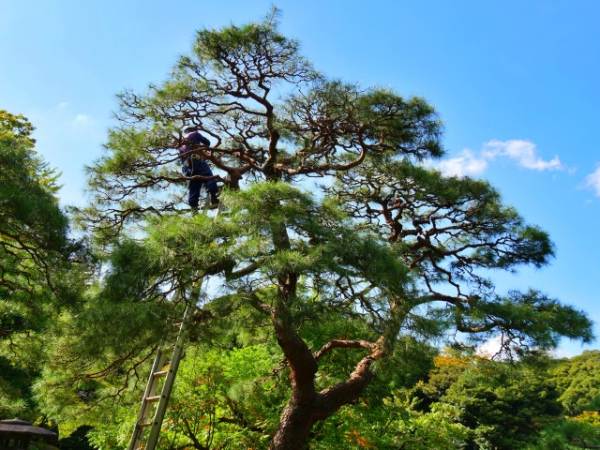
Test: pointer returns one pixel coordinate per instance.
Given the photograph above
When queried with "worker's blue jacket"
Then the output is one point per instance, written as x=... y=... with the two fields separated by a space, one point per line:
x=193 y=165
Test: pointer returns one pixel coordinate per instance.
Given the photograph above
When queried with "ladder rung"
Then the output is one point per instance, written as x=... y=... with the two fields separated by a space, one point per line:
x=153 y=398
x=145 y=424
x=160 y=373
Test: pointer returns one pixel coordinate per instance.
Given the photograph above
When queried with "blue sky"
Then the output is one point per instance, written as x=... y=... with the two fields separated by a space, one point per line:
x=516 y=84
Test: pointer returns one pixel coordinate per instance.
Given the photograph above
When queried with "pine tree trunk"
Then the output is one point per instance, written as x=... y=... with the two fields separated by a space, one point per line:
x=294 y=428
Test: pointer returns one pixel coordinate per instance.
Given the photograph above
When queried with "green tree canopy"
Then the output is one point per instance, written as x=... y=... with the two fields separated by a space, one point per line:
x=578 y=380
x=33 y=251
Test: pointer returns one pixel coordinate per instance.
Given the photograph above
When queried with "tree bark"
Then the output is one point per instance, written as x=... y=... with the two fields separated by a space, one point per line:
x=294 y=427
x=306 y=407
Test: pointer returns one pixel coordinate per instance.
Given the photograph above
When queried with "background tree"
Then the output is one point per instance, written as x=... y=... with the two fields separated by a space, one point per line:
x=578 y=379
x=34 y=252
x=393 y=244
x=505 y=404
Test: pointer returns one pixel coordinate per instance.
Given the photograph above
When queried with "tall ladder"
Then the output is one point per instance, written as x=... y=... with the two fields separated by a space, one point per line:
x=154 y=402
x=149 y=422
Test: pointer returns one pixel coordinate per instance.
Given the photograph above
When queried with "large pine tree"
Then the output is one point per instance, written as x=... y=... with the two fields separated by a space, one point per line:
x=384 y=239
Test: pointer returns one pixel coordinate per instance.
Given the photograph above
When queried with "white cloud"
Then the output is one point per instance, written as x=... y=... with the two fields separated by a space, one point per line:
x=469 y=163
x=523 y=152
x=593 y=180
x=466 y=164
x=82 y=120
x=491 y=347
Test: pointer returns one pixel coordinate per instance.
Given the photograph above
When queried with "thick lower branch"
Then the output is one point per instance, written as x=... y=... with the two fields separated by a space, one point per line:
x=342 y=343
x=332 y=399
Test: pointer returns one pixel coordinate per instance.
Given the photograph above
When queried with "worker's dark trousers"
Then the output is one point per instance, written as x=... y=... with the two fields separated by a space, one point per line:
x=199 y=167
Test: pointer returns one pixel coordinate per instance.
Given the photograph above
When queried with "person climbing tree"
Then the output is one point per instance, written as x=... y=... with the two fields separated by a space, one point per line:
x=197 y=169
